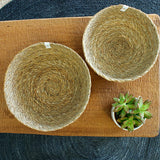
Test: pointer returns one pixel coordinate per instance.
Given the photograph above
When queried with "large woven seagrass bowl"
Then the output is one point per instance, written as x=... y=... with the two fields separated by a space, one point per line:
x=121 y=43
x=47 y=86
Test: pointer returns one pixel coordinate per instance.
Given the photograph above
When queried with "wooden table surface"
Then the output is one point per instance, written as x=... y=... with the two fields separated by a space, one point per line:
x=96 y=120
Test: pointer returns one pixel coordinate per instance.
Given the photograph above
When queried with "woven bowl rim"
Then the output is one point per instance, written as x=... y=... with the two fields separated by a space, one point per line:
x=98 y=72
x=78 y=113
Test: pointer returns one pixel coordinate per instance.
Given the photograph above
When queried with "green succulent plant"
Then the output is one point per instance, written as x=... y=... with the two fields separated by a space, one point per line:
x=131 y=112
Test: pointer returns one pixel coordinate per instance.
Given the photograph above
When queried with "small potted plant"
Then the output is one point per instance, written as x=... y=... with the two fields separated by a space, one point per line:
x=129 y=112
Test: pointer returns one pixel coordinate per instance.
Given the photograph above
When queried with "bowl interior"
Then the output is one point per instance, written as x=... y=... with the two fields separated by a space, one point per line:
x=121 y=45
x=47 y=87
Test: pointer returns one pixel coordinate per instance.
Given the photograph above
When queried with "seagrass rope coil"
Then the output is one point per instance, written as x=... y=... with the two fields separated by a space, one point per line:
x=121 y=43
x=47 y=86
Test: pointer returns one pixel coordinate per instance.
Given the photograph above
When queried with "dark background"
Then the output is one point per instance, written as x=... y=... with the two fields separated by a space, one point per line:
x=37 y=147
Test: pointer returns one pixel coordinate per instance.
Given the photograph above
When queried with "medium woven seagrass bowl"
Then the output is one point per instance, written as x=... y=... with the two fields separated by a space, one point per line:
x=121 y=43
x=47 y=86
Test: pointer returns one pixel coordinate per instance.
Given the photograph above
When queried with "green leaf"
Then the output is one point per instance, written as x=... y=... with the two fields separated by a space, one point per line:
x=127 y=94
x=124 y=125
x=115 y=104
x=131 y=101
x=140 y=102
x=137 y=117
x=137 y=123
x=131 y=118
x=126 y=108
x=118 y=108
x=131 y=106
x=145 y=105
x=124 y=118
x=119 y=120
x=136 y=102
x=136 y=111
x=147 y=115
x=147 y=102
x=123 y=113
x=116 y=99
x=129 y=124
x=122 y=98
x=131 y=127
x=142 y=115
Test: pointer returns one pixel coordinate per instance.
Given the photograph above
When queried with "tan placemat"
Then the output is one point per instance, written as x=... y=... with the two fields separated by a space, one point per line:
x=4 y=2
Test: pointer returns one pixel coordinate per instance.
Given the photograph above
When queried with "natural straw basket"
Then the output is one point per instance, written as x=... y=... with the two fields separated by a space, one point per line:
x=121 y=43
x=47 y=86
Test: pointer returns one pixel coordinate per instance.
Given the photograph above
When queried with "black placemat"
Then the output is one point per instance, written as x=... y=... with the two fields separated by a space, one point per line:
x=36 y=147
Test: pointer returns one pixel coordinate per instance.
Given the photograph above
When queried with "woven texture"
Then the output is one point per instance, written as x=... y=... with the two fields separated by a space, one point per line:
x=37 y=147
x=121 y=43
x=47 y=86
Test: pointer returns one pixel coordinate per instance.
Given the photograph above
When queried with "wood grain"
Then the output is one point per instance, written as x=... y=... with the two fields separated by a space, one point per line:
x=96 y=120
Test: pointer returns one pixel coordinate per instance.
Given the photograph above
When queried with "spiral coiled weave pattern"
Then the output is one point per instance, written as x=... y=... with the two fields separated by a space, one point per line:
x=47 y=87
x=121 y=43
